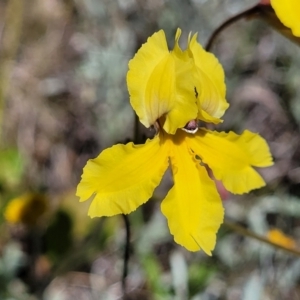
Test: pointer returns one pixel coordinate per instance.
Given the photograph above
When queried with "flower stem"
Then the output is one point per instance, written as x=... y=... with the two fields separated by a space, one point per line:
x=126 y=253
x=245 y=14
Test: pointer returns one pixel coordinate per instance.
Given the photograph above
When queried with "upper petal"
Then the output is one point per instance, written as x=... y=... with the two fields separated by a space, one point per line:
x=209 y=81
x=193 y=206
x=185 y=107
x=232 y=157
x=288 y=11
x=160 y=83
x=123 y=177
x=147 y=65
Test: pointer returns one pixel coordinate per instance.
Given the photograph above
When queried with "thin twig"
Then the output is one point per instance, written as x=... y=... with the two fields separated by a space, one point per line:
x=246 y=232
x=245 y=14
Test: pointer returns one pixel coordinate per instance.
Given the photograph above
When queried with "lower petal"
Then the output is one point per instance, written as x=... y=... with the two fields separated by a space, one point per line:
x=123 y=177
x=232 y=157
x=193 y=206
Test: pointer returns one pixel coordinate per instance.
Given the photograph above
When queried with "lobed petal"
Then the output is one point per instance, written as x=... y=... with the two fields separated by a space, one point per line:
x=232 y=157
x=288 y=11
x=209 y=81
x=160 y=84
x=147 y=65
x=183 y=55
x=123 y=177
x=254 y=145
x=184 y=108
x=193 y=206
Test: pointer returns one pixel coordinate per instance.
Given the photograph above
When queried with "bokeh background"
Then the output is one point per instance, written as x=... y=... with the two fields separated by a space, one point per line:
x=63 y=99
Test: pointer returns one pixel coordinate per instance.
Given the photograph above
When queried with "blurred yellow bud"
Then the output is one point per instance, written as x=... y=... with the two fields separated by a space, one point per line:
x=26 y=209
x=276 y=236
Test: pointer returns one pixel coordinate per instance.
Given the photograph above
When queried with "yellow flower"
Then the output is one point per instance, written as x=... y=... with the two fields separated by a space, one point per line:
x=288 y=11
x=26 y=209
x=124 y=177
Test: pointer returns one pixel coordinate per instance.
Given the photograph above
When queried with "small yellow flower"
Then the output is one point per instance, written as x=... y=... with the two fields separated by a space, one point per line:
x=26 y=209
x=278 y=237
x=288 y=11
x=171 y=90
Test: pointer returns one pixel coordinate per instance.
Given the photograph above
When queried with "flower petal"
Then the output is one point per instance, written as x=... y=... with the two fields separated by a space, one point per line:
x=123 y=177
x=193 y=206
x=288 y=11
x=152 y=58
x=184 y=109
x=209 y=83
x=232 y=157
x=160 y=83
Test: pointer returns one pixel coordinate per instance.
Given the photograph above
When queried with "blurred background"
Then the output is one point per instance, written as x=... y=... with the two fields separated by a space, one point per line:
x=63 y=99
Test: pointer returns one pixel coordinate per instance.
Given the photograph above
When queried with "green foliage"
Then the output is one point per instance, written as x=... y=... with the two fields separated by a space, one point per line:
x=58 y=236
x=12 y=168
x=199 y=276
x=153 y=273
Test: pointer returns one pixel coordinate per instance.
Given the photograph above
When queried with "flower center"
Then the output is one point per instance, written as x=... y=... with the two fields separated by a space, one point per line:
x=191 y=127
